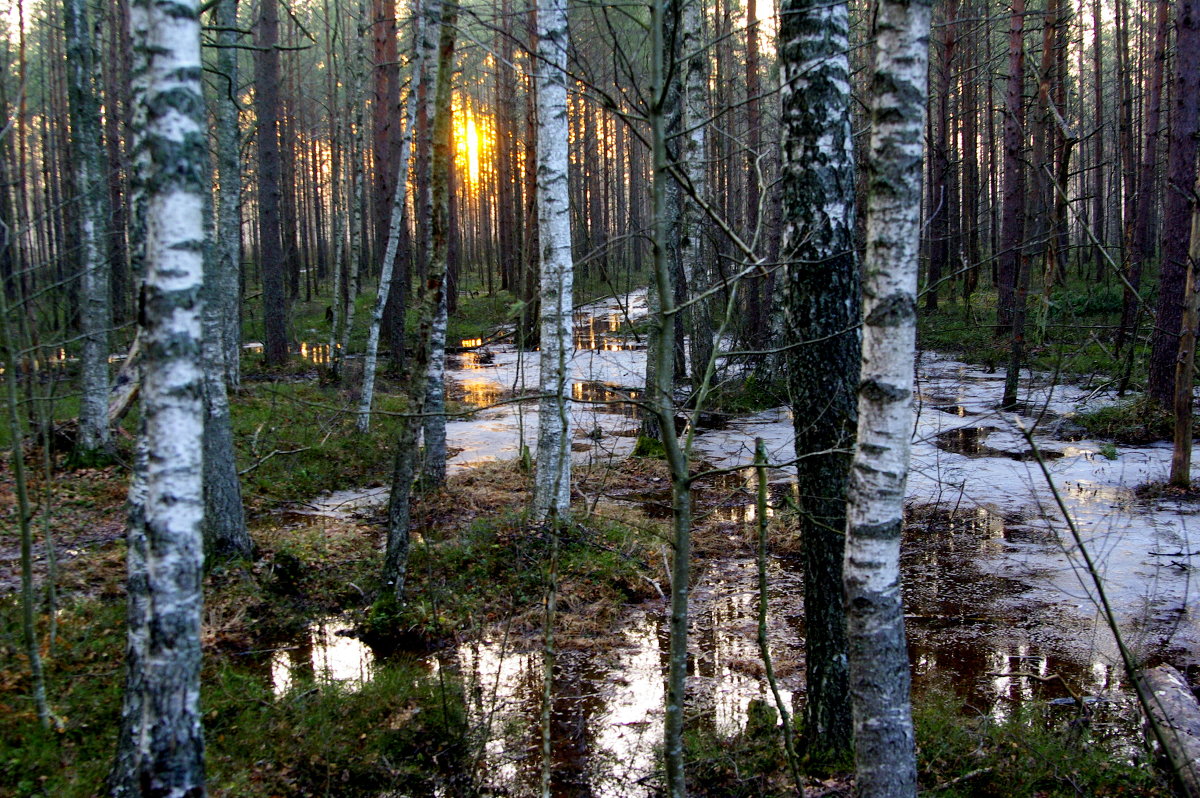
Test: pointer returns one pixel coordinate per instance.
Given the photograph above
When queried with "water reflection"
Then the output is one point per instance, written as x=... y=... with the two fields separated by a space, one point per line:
x=480 y=392
x=598 y=332
x=325 y=653
x=603 y=397
x=317 y=354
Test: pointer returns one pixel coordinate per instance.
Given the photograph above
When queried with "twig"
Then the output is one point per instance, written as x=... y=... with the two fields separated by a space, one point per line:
x=959 y=780
x=262 y=460
x=1053 y=677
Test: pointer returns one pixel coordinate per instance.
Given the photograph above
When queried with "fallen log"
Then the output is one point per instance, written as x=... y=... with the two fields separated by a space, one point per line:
x=127 y=382
x=1174 y=716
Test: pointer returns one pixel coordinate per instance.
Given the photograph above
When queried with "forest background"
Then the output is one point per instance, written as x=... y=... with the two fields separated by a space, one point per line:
x=1058 y=195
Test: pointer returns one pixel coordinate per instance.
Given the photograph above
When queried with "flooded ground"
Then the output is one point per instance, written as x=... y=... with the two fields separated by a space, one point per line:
x=996 y=597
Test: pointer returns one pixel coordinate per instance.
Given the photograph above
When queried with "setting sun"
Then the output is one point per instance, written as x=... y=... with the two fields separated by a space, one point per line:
x=470 y=134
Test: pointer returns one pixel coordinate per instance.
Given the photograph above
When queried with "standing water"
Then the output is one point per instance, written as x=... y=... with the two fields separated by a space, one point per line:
x=994 y=586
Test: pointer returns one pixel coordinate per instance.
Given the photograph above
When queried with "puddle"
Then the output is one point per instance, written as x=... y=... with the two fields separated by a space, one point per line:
x=969 y=442
x=326 y=652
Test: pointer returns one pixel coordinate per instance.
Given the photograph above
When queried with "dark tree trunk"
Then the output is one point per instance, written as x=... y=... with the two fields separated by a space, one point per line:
x=1178 y=202
x=821 y=301
x=270 y=253
x=1142 y=246
x=1012 y=230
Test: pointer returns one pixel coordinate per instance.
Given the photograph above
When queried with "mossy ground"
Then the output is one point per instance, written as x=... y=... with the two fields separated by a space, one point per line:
x=477 y=562
x=1039 y=750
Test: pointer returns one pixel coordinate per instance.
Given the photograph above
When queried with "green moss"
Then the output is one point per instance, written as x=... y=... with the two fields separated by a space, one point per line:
x=1136 y=421
x=299 y=439
x=651 y=448
x=1034 y=751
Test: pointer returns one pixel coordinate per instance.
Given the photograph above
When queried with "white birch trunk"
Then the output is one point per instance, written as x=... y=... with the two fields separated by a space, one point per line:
x=552 y=489
x=434 y=474
x=94 y=312
x=879 y=673
x=695 y=250
x=393 y=239
x=168 y=743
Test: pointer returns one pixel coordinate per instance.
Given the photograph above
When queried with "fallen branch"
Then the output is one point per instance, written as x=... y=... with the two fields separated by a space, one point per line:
x=264 y=459
x=127 y=382
x=959 y=780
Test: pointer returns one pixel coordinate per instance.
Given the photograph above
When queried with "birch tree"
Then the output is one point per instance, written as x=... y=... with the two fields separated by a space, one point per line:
x=879 y=677
x=89 y=171
x=694 y=246
x=163 y=746
x=552 y=491
x=821 y=293
x=395 y=564
x=425 y=45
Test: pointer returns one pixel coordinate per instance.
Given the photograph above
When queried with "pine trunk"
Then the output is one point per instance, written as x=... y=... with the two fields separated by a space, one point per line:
x=1178 y=201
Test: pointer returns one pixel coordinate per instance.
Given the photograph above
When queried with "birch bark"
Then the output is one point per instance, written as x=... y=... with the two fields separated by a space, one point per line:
x=879 y=676
x=395 y=564
x=694 y=245
x=552 y=490
x=168 y=745
x=229 y=196
x=821 y=304
x=387 y=268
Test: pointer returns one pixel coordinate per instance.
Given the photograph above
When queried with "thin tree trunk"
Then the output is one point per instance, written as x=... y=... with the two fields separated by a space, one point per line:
x=1142 y=246
x=1185 y=367
x=225 y=534
x=1012 y=230
x=229 y=197
x=399 y=207
x=664 y=106
x=552 y=488
x=695 y=239
x=395 y=566
x=92 y=219
x=270 y=254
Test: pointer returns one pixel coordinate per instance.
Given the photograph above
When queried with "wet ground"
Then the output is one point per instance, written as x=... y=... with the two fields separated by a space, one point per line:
x=996 y=597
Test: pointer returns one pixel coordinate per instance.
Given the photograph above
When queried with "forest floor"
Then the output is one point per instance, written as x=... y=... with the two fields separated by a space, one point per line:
x=309 y=688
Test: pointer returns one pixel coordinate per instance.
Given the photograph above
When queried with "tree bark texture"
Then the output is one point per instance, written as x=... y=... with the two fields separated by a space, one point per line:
x=395 y=566
x=694 y=244
x=270 y=241
x=92 y=219
x=885 y=756
x=399 y=207
x=229 y=196
x=821 y=305
x=552 y=488
x=1141 y=249
x=1178 y=201
x=1012 y=219
x=168 y=755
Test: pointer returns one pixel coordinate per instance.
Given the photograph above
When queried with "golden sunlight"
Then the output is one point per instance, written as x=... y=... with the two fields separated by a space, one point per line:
x=474 y=145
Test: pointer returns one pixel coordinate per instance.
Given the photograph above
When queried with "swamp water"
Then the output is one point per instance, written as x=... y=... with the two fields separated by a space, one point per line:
x=994 y=587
